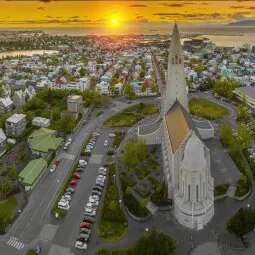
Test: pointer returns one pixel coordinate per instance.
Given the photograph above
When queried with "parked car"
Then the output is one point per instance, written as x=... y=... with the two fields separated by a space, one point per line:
x=99 y=179
x=95 y=197
x=83 y=162
x=98 y=188
x=85 y=231
x=70 y=189
x=112 y=135
x=85 y=225
x=67 y=197
x=57 y=162
x=80 y=170
x=92 y=213
x=69 y=193
x=92 y=206
x=81 y=245
x=100 y=183
x=73 y=183
x=53 y=168
x=63 y=205
x=69 y=140
x=105 y=143
x=102 y=172
x=103 y=169
x=96 y=192
x=89 y=219
x=76 y=176
x=101 y=176
x=82 y=237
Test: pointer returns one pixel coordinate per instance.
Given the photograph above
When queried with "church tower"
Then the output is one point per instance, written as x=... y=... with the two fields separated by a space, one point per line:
x=176 y=83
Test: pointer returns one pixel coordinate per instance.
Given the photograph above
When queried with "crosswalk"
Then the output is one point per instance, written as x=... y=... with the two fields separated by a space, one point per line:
x=15 y=243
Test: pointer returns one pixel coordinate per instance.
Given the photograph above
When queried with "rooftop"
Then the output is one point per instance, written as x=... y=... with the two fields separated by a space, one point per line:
x=15 y=118
x=32 y=171
x=2 y=135
x=249 y=91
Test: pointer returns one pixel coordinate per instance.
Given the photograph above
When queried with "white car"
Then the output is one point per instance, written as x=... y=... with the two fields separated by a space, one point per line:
x=88 y=210
x=93 y=198
x=53 y=168
x=69 y=140
x=95 y=134
x=83 y=162
x=100 y=176
x=80 y=245
x=102 y=172
x=100 y=179
x=62 y=200
x=67 y=197
x=105 y=143
x=93 y=204
x=112 y=135
x=103 y=169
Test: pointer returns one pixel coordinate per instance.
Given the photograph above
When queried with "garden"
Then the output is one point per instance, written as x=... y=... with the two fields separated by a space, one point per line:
x=206 y=109
x=241 y=222
x=221 y=189
x=119 y=135
x=141 y=177
x=152 y=242
x=131 y=115
x=236 y=142
x=112 y=224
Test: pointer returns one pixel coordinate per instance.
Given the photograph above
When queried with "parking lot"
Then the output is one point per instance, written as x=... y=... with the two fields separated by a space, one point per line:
x=70 y=225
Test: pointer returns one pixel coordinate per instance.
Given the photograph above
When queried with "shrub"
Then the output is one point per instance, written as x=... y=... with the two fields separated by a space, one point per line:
x=251 y=162
x=160 y=196
x=221 y=189
x=99 y=113
x=31 y=252
x=142 y=172
x=155 y=183
x=110 y=153
x=118 y=138
x=243 y=185
x=241 y=222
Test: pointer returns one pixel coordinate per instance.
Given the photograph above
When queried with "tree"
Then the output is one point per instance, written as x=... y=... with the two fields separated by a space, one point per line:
x=242 y=113
x=143 y=202
x=4 y=221
x=226 y=134
x=200 y=68
x=13 y=173
x=143 y=89
x=64 y=72
x=4 y=169
x=82 y=72
x=129 y=90
x=1 y=91
x=92 y=82
x=6 y=186
x=245 y=136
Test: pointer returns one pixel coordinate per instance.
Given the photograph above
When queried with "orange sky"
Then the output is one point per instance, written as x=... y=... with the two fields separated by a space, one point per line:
x=119 y=13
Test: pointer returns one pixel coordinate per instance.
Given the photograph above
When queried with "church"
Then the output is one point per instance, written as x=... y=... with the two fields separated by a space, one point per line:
x=186 y=159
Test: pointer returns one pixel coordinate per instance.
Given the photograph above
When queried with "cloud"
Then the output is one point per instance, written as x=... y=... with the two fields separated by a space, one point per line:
x=40 y=8
x=172 y=5
x=139 y=17
x=48 y=17
x=74 y=17
x=138 y=5
x=238 y=15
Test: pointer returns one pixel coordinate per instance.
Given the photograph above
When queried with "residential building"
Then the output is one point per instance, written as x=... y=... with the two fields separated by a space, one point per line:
x=41 y=122
x=15 y=125
x=43 y=142
x=19 y=98
x=31 y=174
x=3 y=142
x=6 y=105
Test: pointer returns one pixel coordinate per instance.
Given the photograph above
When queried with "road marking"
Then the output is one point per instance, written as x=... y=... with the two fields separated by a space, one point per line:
x=15 y=243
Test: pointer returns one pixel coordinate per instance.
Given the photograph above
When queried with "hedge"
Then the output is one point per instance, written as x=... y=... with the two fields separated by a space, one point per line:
x=55 y=209
x=221 y=189
x=251 y=162
x=118 y=138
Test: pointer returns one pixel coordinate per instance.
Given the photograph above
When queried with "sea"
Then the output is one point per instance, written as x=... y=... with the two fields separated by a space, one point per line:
x=220 y=34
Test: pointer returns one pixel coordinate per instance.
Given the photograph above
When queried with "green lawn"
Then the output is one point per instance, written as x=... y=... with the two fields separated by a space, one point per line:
x=122 y=119
x=111 y=231
x=31 y=252
x=206 y=108
x=143 y=108
x=8 y=205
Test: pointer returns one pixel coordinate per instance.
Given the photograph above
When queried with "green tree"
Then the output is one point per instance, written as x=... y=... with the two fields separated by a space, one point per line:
x=64 y=72
x=245 y=136
x=82 y=72
x=200 y=68
x=143 y=89
x=92 y=82
x=4 y=169
x=1 y=91
x=129 y=90
x=242 y=113
x=143 y=202
x=226 y=134
x=4 y=221
x=13 y=173
x=6 y=186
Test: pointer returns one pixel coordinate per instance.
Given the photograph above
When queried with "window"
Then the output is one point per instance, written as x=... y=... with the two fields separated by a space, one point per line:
x=180 y=61
x=189 y=192
x=197 y=192
x=172 y=60
x=176 y=59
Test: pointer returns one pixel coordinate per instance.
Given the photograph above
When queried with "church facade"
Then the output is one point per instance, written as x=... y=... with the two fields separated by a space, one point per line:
x=186 y=158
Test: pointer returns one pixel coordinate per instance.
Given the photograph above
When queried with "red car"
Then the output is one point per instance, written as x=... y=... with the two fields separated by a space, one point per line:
x=57 y=162
x=73 y=183
x=76 y=176
x=85 y=225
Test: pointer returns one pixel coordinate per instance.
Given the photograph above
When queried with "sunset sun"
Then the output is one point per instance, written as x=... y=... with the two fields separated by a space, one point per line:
x=115 y=21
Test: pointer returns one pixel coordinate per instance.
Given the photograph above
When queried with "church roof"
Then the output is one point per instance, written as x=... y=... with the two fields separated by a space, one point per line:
x=194 y=157
x=179 y=124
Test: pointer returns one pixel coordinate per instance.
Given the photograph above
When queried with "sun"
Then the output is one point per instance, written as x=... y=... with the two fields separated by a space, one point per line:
x=115 y=21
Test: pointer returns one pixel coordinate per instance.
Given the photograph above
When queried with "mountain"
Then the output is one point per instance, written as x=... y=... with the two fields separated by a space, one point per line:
x=243 y=23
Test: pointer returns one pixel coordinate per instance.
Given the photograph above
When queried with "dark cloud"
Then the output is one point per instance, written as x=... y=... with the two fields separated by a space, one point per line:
x=48 y=17
x=165 y=14
x=238 y=15
x=138 y=5
x=40 y=8
x=139 y=17
x=243 y=7
x=172 y=5
x=74 y=17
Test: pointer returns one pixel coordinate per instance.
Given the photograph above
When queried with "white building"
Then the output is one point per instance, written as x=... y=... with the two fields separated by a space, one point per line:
x=186 y=158
x=41 y=122
x=6 y=105
x=19 y=98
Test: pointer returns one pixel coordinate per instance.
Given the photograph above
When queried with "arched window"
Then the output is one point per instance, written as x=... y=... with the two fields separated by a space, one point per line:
x=189 y=192
x=172 y=60
x=197 y=192
x=176 y=59
x=180 y=61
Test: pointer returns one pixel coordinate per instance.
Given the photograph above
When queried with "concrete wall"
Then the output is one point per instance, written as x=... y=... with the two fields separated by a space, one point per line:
x=206 y=133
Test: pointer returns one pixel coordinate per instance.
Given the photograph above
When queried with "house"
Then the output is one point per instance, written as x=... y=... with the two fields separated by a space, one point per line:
x=31 y=174
x=6 y=105
x=103 y=88
x=19 y=98
x=118 y=88
x=3 y=142
x=41 y=122
x=15 y=125
x=247 y=94
x=44 y=141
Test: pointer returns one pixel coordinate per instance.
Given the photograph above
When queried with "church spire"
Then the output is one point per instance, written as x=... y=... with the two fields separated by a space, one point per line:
x=176 y=83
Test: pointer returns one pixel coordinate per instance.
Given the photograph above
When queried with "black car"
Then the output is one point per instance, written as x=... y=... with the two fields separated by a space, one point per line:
x=245 y=241
x=98 y=188
x=96 y=192
x=81 y=170
x=89 y=219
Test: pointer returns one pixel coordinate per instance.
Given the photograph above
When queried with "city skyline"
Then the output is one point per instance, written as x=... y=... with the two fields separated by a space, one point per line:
x=117 y=15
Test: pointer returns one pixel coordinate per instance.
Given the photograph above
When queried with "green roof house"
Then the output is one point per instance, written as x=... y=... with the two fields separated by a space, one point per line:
x=31 y=174
x=43 y=141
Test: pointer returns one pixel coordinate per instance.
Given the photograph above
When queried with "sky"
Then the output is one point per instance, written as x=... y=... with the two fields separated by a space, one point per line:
x=117 y=14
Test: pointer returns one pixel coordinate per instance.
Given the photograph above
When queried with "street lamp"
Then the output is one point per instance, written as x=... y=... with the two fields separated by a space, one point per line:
x=114 y=178
x=120 y=203
x=248 y=206
x=147 y=229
